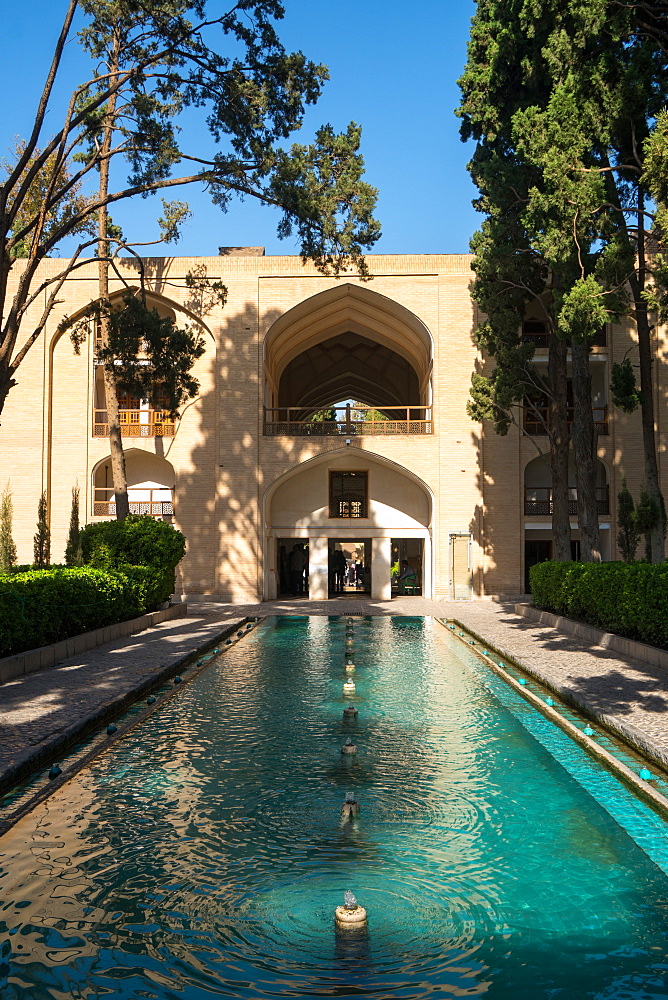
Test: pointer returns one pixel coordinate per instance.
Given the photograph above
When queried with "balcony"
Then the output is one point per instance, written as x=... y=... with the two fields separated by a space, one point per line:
x=152 y=502
x=537 y=419
x=347 y=421
x=535 y=332
x=538 y=500
x=136 y=423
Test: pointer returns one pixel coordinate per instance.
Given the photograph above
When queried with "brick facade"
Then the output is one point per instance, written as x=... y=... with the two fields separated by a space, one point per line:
x=226 y=471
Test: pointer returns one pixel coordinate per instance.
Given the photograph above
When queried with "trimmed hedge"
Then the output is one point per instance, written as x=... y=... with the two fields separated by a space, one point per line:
x=130 y=571
x=628 y=599
x=43 y=606
x=139 y=540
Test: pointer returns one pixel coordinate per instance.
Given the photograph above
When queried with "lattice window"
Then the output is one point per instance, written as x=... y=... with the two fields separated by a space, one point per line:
x=348 y=494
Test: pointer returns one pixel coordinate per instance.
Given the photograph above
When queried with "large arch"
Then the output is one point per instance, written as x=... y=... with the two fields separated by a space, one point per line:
x=349 y=318
x=296 y=506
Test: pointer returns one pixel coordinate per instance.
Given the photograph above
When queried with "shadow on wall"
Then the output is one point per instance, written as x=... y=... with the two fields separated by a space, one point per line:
x=218 y=494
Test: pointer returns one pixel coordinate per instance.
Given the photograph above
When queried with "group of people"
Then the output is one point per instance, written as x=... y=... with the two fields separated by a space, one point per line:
x=293 y=570
x=344 y=572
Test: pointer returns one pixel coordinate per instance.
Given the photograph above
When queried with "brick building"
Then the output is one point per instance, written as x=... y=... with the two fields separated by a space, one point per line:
x=277 y=449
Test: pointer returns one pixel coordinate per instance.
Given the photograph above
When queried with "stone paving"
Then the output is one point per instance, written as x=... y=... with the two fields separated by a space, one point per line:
x=40 y=712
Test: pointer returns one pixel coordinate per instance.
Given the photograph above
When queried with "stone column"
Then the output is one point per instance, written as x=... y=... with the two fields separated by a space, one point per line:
x=317 y=568
x=381 y=562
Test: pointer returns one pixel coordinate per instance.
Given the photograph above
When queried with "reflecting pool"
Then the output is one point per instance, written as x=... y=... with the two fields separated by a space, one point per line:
x=204 y=855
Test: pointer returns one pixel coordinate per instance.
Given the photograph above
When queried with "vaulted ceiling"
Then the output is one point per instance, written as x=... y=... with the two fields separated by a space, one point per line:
x=348 y=366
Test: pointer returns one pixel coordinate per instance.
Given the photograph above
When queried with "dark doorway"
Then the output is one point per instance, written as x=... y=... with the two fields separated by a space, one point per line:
x=535 y=552
x=292 y=567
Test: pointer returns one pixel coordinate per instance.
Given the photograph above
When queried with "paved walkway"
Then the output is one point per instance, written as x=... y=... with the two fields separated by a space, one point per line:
x=41 y=712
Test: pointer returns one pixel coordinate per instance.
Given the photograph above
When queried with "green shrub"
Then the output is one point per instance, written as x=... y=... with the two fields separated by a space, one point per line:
x=628 y=599
x=130 y=571
x=138 y=540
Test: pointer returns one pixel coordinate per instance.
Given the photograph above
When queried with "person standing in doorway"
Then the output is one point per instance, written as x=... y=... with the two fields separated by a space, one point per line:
x=297 y=563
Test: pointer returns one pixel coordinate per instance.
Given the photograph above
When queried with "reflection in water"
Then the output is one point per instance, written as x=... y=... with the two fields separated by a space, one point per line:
x=203 y=855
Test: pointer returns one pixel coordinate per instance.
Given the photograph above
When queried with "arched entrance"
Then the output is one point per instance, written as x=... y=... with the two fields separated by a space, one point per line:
x=354 y=497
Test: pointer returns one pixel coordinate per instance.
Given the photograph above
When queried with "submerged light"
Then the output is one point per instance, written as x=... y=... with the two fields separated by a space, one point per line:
x=150 y=700
x=522 y=681
x=111 y=729
x=548 y=701
x=54 y=772
x=588 y=731
x=645 y=774
x=177 y=679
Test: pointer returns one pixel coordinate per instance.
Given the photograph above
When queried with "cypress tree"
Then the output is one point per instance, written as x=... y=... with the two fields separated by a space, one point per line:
x=73 y=553
x=42 y=541
x=7 y=546
x=628 y=534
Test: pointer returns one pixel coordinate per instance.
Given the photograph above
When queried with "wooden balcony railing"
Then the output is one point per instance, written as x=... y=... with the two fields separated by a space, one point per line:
x=136 y=423
x=537 y=419
x=348 y=421
x=104 y=506
x=538 y=500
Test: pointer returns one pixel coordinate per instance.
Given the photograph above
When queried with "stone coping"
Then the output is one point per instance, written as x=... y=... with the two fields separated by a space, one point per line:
x=596 y=637
x=43 y=657
x=62 y=740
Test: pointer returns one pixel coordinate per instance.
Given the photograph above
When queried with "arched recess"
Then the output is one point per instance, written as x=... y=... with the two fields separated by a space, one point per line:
x=538 y=486
x=151 y=484
x=348 y=341
x=296 y=505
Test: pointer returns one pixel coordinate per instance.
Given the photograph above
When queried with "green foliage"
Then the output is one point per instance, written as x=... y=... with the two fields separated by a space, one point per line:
x=623 y=387
x=138 y=540
x=42 y=540
x=629 y=600
x=650 y=513
x=40 y=607
x=152 y=63
x=148 y=352
x=628 y=535
x=7 y=546
x=73 y=552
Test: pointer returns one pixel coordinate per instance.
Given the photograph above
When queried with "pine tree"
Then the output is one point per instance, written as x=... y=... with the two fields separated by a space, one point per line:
x=73 y=553
x=42 y=542
x=628 y=535
x=7 y=546
x=152 y=63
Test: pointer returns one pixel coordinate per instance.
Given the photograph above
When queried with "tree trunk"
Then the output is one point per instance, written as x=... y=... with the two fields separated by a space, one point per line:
x=656 y=540
x=559 y=435
x=118 y=473
x=584 y=454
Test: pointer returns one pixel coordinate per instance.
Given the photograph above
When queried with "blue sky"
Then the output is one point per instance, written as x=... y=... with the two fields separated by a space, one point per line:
x=393 y=68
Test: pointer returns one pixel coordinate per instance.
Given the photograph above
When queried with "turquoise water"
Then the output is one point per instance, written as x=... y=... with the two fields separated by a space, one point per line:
x=203 y=856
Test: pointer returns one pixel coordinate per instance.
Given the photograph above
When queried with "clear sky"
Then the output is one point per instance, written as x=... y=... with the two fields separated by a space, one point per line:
x=393 y=68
